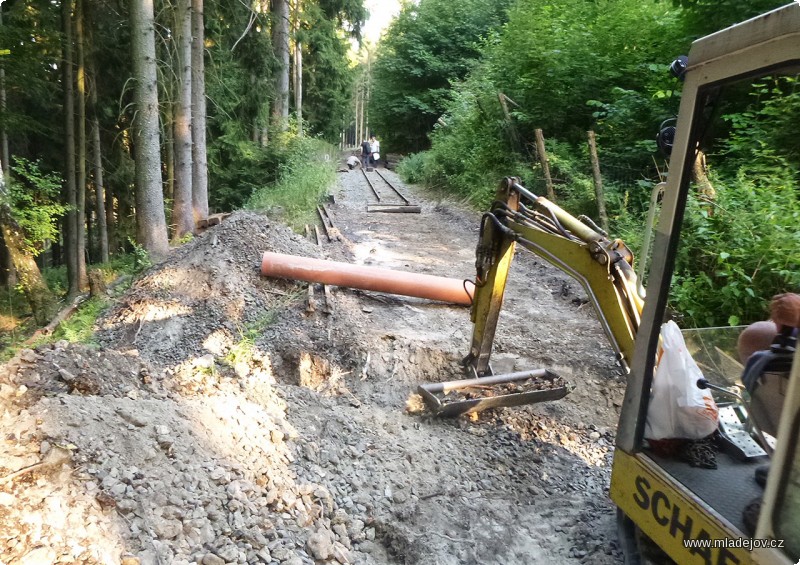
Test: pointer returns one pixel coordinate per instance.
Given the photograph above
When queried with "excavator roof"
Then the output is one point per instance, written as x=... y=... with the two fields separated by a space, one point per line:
x=763 y=29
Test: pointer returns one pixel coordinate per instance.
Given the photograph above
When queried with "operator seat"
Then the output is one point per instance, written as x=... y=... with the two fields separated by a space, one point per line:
x=766 y=378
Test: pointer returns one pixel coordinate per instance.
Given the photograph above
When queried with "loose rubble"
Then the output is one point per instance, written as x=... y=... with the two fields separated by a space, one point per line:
x=218 y=422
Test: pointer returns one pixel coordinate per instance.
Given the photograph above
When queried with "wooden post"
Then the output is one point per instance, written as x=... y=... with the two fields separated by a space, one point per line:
x=545 y=166
x=512 y=130
x=598 y=182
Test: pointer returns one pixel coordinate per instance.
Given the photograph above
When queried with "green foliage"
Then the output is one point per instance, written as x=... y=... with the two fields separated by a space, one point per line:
x=746 y=248
x=33 y=197
x=80 y=327
x=141 y=258
x=306 y=169
x=760 y=244
x=562 y=59
x=428 y=47
x=568 y=66
x=708 y=16
x=327 y=76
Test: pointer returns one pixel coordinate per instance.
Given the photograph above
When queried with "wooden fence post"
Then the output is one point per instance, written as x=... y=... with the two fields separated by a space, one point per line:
x=598 y=182
x=545 y=166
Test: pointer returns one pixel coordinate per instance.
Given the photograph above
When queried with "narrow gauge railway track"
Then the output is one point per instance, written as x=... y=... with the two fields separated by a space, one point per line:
x=388 y=190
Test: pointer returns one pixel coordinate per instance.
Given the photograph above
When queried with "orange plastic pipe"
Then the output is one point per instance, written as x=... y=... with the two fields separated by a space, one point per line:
x=366 y=278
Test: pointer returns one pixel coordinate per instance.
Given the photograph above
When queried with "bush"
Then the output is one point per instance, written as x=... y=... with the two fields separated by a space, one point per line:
x=307 y=169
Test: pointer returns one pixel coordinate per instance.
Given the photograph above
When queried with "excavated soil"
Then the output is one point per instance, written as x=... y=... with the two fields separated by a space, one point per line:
x=224 y=419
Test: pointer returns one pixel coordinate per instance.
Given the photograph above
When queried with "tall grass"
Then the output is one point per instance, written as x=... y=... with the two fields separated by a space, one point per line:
x=304 y=176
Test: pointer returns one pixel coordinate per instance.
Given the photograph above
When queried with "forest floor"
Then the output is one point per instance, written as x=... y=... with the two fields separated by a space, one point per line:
x=219 y=420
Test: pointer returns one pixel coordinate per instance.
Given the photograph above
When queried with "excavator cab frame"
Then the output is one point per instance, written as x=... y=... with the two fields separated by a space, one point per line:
x=668 y=504
x=658 y=498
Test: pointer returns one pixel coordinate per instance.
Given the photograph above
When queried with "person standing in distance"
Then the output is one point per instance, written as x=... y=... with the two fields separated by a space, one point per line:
x=375 y=148
x=366 y=157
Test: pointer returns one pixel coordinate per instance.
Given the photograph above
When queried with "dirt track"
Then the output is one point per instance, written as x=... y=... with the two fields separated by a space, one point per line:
x=222 y=422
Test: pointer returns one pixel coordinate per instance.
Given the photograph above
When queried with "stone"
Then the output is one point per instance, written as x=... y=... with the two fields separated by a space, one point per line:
x=211 y=559
x=340 y=553
x=129 y=559
x=66 y=376
x=131 y=417
x=167 y=529
x=38 y=556
x=320 y=544
x=229 y=553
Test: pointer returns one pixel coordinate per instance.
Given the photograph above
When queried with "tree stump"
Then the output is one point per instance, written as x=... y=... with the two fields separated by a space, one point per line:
x=97 y=286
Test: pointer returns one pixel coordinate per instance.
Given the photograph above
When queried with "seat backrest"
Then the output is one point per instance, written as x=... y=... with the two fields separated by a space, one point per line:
x=766 y=378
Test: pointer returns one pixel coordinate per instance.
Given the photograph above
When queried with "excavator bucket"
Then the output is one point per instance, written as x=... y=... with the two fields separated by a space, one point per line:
x=453 y=398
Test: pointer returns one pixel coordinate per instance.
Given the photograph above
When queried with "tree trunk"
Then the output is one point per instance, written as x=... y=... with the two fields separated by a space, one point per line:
x=4 y=154
x=80 y=196
x=8 y=275
x=111 y=222
x=298 y=68
x=298 y=86
x=199 y=157
x=169 y=151
x=99 y=188
x=598 y=182
x=182 y=217
x=71 y=231
x=700 y=177
x=40 y=299
x=280 y=45
x=151 y=226
x=545 y=165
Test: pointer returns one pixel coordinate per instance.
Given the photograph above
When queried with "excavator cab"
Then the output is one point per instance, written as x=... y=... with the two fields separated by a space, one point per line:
x=695 y=514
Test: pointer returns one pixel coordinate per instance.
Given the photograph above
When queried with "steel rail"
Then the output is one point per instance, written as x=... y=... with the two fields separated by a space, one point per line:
x=390 y=185
x=371 y=186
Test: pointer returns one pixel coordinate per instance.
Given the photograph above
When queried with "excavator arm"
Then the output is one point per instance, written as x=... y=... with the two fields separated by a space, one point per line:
x=602 y=266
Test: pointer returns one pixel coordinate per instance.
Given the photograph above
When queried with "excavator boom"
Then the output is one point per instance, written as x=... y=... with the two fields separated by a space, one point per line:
x=603 y=267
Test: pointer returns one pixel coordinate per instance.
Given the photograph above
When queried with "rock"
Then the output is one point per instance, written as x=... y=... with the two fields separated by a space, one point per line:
x=28 y=356
x=211 y=559
x=131 y=417
x=229 y=553
x=320 y=544
x=148 y=557
x=167 y=529
x=7 y=391
x=340 y=553
x=129 y=559
x=38 y=556
x=66 y=376
x=594 y=436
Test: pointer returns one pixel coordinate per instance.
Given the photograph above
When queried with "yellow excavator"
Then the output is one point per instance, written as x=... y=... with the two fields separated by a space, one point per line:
x=694 y=515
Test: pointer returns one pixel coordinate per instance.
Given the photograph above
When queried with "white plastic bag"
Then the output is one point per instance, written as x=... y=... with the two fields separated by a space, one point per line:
x=678 y=408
